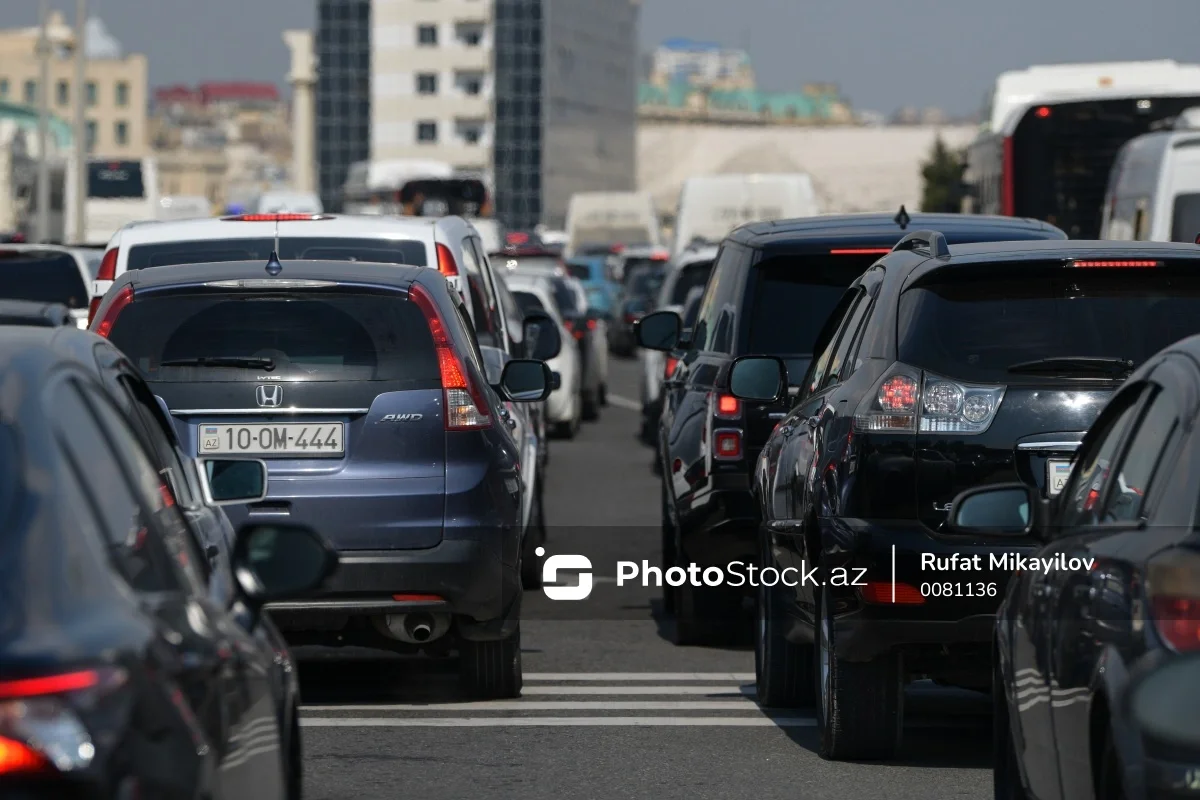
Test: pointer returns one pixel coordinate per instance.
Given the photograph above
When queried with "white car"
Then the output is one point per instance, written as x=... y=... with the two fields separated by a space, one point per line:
x=688 y=271
x=449 y=244
x=48 y=273
x=564 y=407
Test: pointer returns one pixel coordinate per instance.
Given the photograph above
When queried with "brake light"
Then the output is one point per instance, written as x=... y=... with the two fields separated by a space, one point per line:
x=859 y=251
x=1117 y=264
x=466 y=407
x=669 y=368
x=445 y=261
x=729 y=407
x=123 y=298
x=885 y=592
x=659 y=255
x=898 y=393
x=617 y=249
x=108 y=265
x=591 y=324
x=1172 y=581
x=283 y=217
x=569 y=324
x=727 y=444
x=50 y=684
x=1043 y=112
x=17 y=758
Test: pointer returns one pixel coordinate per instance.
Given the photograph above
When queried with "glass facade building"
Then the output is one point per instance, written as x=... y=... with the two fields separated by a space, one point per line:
x=566 y=75
x=343 y=93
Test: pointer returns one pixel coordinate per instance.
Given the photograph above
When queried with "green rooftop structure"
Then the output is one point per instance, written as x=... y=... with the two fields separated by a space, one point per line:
x=26 y=118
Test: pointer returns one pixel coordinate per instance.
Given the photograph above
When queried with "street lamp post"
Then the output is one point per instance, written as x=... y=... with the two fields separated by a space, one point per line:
x=80 y=126
x=43 y=175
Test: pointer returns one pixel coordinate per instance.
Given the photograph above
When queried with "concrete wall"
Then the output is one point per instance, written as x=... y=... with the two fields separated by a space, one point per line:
x=852 y=168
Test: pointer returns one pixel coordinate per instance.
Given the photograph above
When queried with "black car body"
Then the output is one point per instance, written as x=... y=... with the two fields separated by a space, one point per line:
x=943 y=368
x=1123 y=597
x=121 y=675
x=772 y=287
x=363 y=387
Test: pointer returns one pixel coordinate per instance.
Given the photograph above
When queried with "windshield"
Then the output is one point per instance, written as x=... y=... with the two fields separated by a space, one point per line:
x=529 y=302
x=115 y=180
x=1185 y=221
x=385 y=251
x=309 y=336
x=691 y=276
x=46 y=276
x=976 y=330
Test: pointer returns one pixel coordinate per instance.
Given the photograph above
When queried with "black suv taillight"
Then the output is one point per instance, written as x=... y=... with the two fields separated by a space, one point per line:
x=908 y=400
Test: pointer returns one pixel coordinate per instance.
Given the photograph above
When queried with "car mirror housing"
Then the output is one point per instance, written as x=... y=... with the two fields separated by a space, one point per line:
x=1002 y=509
x=661 y=331
x=542 y=339
x=526 y=380
x=758 y=378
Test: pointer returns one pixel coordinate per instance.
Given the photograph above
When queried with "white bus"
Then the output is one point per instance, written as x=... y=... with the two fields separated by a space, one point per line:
x=1052 y=133
x=118 y=192
x=410 y=187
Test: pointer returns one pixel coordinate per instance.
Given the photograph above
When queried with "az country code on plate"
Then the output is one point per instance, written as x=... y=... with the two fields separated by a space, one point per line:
x=277 y=439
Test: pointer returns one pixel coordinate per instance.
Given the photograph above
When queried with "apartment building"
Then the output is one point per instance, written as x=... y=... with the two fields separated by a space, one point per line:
x=431 y=82
x=342 y=45
x=114 y=83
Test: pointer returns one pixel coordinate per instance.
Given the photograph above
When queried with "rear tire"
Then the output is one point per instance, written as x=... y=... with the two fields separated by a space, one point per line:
x=491 y=670
x=706 y=615
x=860 y=706
x=590 y=405
x=783 y=670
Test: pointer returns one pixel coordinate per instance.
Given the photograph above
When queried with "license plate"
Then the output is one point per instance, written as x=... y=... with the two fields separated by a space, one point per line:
x=1057 y=472
x=265 y=439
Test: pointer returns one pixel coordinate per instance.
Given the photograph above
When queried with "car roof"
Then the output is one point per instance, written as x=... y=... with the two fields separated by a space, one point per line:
x=24 y=347
x=975 y=252
x=881 y=228
x=694 y=255
x=342 y=271
x=331 y=225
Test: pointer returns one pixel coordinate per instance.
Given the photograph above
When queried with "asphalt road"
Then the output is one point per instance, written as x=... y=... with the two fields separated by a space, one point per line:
x=610 y=707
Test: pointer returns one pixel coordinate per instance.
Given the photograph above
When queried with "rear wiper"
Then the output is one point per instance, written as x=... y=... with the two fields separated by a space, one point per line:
x=1085 y=365
x=249 y=362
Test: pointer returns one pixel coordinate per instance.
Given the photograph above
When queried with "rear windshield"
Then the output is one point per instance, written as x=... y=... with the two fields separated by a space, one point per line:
x=44 y=277
x=645 y=282
x=1185 y=222
x=581 y=271
x=690 y=277
x=529 y=302
x=311 y=336
x=567 y=299
x=383 y=251
x=115 y=180
x=974 y=330
x=639 y=263
x=794 y=295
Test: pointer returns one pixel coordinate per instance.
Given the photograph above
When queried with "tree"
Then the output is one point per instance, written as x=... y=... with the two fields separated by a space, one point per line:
x=943 y=173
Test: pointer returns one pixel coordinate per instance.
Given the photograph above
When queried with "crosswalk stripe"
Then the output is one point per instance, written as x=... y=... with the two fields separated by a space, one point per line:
x=719 y=691
x=639 y=676
x=528 y=722
x=552 y=705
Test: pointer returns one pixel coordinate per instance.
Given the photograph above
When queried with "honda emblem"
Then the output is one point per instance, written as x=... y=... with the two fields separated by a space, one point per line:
x=269 y=395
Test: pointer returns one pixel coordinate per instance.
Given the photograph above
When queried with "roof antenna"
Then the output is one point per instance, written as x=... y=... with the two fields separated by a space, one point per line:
x=902 y=218
x=273 y=265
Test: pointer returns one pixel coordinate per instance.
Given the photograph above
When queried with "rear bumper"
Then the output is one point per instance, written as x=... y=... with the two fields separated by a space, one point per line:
x=465 y=578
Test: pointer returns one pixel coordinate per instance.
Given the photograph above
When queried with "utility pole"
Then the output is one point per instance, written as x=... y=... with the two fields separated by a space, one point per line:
x=43 y=177
x=80 y=135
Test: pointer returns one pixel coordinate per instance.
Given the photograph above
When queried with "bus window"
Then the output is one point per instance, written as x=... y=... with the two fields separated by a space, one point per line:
x=115 y=180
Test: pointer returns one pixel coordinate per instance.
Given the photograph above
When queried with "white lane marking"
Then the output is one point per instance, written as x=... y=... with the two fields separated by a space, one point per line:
x=639 y=676
x=733 y=704
x=624 y=402
x=530 y=722
x=724 y=691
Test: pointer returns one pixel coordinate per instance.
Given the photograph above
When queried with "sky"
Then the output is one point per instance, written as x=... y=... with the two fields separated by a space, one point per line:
x=884 y=55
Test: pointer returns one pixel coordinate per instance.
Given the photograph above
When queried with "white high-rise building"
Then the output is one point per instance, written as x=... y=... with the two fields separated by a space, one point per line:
x=431 y=81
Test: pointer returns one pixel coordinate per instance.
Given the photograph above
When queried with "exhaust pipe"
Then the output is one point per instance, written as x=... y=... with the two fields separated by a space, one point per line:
x=417 y=627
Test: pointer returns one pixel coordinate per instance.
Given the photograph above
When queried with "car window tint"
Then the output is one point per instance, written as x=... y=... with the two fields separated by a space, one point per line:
x=138 y=551
x=826 y=341
x=690 y=277
x=42 y=276
x=1135 y=477
x=1088 y=477
x=846 y=338
x=204 y=251
x=147 y=415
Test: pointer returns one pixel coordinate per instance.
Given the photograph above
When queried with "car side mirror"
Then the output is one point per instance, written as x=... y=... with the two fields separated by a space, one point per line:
x=555 y=381
x=542 y=339
x=758 y=378
x=226 y=481
x=1001 y=509
x=659 y=331
x=1164 y=702
x=526 y=381
x=274 y=562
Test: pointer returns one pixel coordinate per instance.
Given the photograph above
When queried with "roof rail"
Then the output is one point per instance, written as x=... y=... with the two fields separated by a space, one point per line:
x=933 y=241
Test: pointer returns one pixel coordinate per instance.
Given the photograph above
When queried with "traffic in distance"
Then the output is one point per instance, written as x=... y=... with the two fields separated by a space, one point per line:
x=888 y=456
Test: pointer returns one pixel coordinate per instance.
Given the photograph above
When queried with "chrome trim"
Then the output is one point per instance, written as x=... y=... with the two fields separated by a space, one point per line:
x=228 y=412
x=1049 y=445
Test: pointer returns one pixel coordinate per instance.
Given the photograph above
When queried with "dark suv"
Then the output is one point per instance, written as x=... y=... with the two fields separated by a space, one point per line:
x=772 y=287
x=941 y=369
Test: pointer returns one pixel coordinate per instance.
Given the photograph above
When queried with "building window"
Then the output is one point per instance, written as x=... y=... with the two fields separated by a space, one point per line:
x=121 y=130
x=469 y=82
x=91 y=93
x=31 y=92
x=427 y=35
x=63 y=93
x=427 y=132
x=427 y=83
x=469 y=33
x=122 y=94
x=91 y=135
x=469 y=130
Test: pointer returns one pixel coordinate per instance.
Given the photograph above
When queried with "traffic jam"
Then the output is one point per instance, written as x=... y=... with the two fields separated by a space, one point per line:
x=892 y=453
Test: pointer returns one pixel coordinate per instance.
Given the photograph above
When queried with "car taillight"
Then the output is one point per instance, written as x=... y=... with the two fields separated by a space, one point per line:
x=591 y=324
x=123 y=298
x=907 y=400
x=282 y=217
x=669 y=367
x=728 y=407
x=1116 y=264
x=106 y=273
x=727 y=444
x=40 y=729
x=466 y=407
x=885 y=592
x=1173 y=584
x=445 y=261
